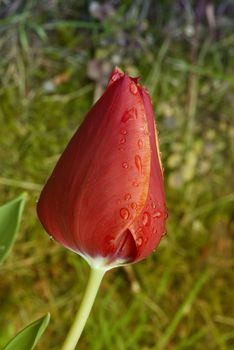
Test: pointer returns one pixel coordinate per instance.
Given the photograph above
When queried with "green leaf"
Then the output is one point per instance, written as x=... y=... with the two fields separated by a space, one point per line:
x=29 y=336
x=10 y=215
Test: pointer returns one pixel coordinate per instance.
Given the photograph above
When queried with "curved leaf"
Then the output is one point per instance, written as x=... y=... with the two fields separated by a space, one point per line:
x=29 y=336
x=10 y=215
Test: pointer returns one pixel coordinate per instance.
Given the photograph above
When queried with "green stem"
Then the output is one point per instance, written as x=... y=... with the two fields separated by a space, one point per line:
x=82 y=315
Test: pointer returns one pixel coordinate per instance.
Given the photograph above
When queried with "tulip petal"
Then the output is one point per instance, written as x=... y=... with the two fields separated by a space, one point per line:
x=100 y=184
x=149 y=227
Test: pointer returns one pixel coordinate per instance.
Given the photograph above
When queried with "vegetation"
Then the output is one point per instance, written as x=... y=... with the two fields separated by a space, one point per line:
x=55 y=60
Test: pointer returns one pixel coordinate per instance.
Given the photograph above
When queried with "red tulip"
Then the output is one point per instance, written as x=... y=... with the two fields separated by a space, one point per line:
x=105 y=197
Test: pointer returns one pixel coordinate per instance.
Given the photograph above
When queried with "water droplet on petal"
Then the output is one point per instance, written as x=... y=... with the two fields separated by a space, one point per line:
x=51 y=238
x=124 y=213
x=154 y=231
x=135 y=183
x=139 y=241
x=117 y=74
x=127 y=196
x=123 y=132
x=134 y=205
x=146 y=90
x=140 y=143
x=109 y=239
x=110 y=243
x=122 y=140
x=125 y=165
x=115 y=77
x=153 y=205
x=157 y=214
x=133 y=88
x=146 y=219
x=130 y=114
x=138 y=162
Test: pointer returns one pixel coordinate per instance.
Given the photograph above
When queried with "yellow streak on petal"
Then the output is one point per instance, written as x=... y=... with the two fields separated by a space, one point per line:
x=145 y=191
x=157 y=147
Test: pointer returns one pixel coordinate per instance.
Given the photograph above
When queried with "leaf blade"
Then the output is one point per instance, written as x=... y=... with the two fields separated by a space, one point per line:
x=27 y=338
x=10 y=216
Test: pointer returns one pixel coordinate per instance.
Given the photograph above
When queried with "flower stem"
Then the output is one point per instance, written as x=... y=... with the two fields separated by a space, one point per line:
x=82 y=315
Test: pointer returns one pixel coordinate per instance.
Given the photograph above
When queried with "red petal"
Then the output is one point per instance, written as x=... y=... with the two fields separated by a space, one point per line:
x=100 y=184
x=149 y=227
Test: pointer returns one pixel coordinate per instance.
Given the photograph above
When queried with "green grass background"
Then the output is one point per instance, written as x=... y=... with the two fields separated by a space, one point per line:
x=55 y=60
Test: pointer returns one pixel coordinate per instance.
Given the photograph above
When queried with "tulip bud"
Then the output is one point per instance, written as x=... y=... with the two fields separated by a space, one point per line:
x=105 y=197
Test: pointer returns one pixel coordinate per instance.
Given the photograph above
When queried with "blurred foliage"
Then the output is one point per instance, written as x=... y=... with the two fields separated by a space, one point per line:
x=55 y=60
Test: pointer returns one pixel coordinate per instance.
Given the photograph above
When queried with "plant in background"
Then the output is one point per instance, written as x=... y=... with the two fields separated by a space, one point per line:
x=10 y=217
x=105 y=198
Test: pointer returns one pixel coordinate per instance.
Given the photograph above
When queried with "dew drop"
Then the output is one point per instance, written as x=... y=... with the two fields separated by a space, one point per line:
x=124 y=213
x=146 y=219
x=140 y=144
x=134 y=205
x=110 y=243
x=123 y=132
x=109 y=239
x=133 y=88
x=138 y=162
x=125 y=165
x=146 y=133
x=122 y=140
x=127 y=196
x=157 y=214
x=135 y=183
x=153 y=205
x=139 y=241
x=146 y=90
x=115 y=77
x=154 y=231
x=51 y=238
x=130 y=114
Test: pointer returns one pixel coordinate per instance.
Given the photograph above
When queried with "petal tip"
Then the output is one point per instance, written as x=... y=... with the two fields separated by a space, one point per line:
x=116 y=74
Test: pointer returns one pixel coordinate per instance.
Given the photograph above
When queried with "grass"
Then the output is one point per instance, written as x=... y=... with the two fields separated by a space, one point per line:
x=45 y=92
